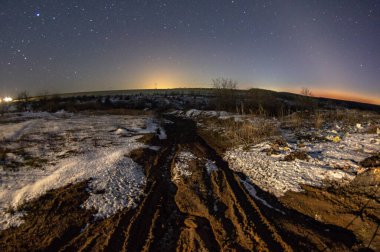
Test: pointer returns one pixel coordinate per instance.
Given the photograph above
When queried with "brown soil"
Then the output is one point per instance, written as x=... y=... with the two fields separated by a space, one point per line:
x=202 y=212
x=52 y=220
x=354 y=207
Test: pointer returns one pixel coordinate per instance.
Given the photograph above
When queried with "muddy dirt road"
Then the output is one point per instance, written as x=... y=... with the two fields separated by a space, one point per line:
x=200 y=210
x=193 y=202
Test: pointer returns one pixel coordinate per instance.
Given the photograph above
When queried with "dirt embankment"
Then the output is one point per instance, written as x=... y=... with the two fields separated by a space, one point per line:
x=203 y=207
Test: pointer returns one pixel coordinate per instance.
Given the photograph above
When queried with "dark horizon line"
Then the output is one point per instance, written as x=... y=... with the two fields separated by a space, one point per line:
x=68 y=94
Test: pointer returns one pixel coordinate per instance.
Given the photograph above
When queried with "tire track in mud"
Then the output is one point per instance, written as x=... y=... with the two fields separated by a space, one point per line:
x=200 y=212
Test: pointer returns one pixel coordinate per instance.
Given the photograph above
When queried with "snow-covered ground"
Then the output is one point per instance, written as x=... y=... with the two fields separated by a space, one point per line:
x=328 y=161
x=72 y=148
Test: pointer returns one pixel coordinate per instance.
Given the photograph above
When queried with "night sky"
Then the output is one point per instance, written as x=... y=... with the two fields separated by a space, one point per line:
x=331 y=46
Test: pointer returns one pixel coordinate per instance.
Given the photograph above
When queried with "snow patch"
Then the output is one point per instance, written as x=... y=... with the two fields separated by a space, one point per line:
x=193 y=113
x=276 y=176
x=162 y=134
x=181 y=166
x=8 y=220
x=122 y=183
x=210 y=166
x=120 y=131
x=155 y=148
x=252 y=191
x=334 y=161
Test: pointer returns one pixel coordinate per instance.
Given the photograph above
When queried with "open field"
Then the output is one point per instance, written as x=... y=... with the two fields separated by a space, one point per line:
x=106 y=174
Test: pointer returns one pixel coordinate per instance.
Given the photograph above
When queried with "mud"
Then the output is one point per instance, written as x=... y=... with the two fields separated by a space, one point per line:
x=208 y=210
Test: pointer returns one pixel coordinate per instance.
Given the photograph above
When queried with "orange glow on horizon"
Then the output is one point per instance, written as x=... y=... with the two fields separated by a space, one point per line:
x=347 y=96
x=333 y=94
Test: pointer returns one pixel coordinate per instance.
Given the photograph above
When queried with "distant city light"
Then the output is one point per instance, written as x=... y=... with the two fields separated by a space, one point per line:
x=7 y=99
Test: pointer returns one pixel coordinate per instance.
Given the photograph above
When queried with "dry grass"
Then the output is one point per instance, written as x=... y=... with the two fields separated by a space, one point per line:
x=295 y=120
x=247 y=133
x=351 y=116
x=229 y=133
x=318 y=120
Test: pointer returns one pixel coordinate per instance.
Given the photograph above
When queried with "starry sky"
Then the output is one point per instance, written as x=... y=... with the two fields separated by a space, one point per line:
x=331 y=46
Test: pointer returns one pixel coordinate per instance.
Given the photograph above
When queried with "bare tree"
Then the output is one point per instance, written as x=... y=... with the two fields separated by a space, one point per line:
x=307 y=100
x=23 y=99
x=224 y=84
x=225 y=92
x=306 y=92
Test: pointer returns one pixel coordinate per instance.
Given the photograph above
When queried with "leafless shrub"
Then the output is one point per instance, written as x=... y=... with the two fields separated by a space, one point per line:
x=225 y=93
x=222 y=84
x=306 y=92
x=294 y=120
x=318 y=120
x=307 y=101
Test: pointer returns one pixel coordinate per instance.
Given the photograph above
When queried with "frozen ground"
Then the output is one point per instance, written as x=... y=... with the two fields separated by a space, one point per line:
x=42 y=151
